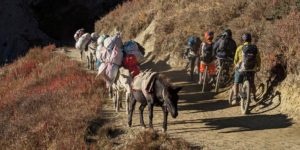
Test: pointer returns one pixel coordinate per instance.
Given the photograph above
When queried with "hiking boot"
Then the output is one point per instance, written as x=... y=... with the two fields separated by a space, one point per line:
x=235 y=101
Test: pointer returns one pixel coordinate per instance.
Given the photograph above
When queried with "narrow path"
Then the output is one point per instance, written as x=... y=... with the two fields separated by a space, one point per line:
x=207 y=120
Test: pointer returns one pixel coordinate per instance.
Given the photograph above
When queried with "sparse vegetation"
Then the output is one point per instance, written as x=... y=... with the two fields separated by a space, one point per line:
x=177 y=19
x=150 y=139
x=46 y=102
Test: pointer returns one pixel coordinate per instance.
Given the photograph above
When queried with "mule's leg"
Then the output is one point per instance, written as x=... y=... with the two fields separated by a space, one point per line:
x=150 y=108
x=131 y=108
x=120 y=99
x=92 y=61
x=88 y=61
x=110 y=92
x=114 y=98
x=127 y=100
x=142 y=107
x=165 y=123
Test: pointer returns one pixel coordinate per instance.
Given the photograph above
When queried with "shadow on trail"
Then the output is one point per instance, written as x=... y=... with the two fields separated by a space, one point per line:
x=270 y=98
x=249 y=123
x=239 y=123
x=212 y=105
x=191 y=97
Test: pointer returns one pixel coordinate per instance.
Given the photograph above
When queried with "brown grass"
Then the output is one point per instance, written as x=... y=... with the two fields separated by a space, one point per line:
x=46 y=102
x=177 y=19
x=150 y=139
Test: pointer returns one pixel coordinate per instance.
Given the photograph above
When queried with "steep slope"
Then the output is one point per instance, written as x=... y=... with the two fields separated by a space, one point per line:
x=46 y=101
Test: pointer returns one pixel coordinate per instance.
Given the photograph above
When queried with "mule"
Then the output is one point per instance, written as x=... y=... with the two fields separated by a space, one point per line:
x=122 y=85
x=90 y=54
x=163 y=94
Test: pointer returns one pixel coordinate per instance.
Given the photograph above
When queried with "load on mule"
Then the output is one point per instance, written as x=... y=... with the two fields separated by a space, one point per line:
x=100 y=43
x=111 y=58
x=82 y=39
x=130 y=68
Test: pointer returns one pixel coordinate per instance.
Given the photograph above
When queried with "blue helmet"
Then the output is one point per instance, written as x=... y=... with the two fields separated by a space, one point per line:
x=193 y=40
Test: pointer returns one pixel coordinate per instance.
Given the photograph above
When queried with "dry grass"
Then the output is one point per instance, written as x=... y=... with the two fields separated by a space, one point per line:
x=130 y=18
x=177 y=19
x=46 y=102
x=150 y=140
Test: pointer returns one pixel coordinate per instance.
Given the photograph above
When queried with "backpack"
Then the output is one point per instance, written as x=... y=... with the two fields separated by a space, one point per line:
x=207 y=52
x=249 y=56
x=222 y=49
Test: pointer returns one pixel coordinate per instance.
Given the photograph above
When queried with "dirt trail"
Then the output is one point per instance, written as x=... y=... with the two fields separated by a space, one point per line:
x=207 y=120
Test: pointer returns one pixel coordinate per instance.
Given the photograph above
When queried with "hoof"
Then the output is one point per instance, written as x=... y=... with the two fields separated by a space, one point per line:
x=143 y=126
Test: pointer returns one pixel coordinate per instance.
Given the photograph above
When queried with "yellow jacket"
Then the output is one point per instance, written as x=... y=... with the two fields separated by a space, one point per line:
x=238 y=57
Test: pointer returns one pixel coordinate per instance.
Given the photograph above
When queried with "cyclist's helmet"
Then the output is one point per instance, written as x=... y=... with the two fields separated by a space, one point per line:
x=209 y=36
x=246 y=37
x=190 y=42
x=227 y=33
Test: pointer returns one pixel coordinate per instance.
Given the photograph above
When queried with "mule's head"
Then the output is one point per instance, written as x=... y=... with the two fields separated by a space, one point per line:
x=171 y=99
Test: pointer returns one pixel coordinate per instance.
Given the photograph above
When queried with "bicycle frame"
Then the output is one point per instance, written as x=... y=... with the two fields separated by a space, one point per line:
x=223 y=64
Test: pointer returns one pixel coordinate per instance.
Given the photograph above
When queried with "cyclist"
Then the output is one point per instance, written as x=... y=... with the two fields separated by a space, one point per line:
x=191 y=53
x=225 y=46
x=207 y=57
x=247 y=61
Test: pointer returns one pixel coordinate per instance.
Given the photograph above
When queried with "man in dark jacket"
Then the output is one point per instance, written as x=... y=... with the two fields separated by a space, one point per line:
x=225 y=46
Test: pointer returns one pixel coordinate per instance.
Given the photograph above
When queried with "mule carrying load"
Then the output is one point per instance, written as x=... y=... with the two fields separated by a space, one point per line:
x=112 y=56
x=153 y=89
x=82 y=41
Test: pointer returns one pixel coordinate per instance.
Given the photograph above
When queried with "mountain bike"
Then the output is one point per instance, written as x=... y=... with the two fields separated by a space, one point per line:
x=204 y=78
x=244 y=93
x=223 y=73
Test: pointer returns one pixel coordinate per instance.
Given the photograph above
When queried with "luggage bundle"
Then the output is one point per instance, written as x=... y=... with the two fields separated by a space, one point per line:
x=131 y=48
x=83 y=41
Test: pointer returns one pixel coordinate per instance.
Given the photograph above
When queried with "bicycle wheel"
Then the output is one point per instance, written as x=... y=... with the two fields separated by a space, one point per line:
x=245 y=97
x=204 y=79
x=218 y=79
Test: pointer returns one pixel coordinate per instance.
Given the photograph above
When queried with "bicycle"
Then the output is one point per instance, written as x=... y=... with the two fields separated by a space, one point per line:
x=223 y=74
x=204 y=77
x=244 y=93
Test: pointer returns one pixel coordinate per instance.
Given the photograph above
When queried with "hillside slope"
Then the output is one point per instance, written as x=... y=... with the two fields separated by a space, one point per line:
x=46 y=101
x=163 y=26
